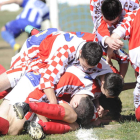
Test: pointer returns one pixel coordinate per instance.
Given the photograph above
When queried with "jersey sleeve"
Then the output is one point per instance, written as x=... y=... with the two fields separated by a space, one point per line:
x=123 y=30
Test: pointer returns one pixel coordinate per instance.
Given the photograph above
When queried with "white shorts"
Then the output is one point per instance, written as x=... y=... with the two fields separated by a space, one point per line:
x=21 y=91
x=15 y=75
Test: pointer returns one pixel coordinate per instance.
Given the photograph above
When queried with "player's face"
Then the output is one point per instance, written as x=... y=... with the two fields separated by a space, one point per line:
x=76 y=99
x=112 y=22
x=84 y=63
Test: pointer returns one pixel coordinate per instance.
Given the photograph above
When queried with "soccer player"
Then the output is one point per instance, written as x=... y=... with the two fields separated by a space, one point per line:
x=9 y=124
x=129 y=28
x=33 y=13
x=105 y=21
x=49 y=53
x=30 y=80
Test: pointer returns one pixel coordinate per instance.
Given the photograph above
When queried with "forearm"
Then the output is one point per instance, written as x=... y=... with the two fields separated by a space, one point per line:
x=129 y=85
x=50 y=95
x=123 y=69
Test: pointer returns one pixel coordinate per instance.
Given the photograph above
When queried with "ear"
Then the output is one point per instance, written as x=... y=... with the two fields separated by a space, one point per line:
x=80 y=51
x=102 y=82
x=75 y=104
x=102 y=78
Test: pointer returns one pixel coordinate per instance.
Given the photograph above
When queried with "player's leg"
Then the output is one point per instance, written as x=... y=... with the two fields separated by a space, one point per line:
x=20 y=91
x=62 y=112
x=9 y=32
x=16 y=125
x=10 y=78
x=3 y=93
x=38 y=129
x=4 y=82
x=4 y=122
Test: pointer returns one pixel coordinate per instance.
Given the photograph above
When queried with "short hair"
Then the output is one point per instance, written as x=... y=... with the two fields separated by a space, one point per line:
x=92 y=52
x=111 y=9
x=43 y=1
x=114 y=105
x=85 y=111
x=113 y=84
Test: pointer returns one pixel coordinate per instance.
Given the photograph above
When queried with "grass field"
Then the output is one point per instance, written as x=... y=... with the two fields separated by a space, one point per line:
x=127 y=130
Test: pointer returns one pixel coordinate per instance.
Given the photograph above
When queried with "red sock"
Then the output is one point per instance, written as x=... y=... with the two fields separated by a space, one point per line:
x=4 y=126
x=4 y=93
x=54 y=127
x=137 y=113
x=51 y=111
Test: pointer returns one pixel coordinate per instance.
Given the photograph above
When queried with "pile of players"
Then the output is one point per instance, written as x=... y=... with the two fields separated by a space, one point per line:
x=59 y=81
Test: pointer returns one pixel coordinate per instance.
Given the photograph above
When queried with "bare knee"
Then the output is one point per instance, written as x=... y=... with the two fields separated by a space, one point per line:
x=3 y=28
x=4 y=82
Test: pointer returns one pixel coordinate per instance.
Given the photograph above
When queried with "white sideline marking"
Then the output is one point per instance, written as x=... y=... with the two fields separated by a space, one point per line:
x=86 y=134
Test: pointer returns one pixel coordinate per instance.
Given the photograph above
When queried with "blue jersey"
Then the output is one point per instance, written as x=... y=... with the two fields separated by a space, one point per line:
x=37 y=39
x=34 y=11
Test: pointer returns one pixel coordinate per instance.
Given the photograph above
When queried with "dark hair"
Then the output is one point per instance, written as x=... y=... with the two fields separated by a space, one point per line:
x=114 y=105
x=111 y=9
x=113 y=84
x=43 y=1
x=92 y=52
x=85 y=111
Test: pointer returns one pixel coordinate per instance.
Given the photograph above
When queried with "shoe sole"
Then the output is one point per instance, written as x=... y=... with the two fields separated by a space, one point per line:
x=35 y=132
x=18 y=113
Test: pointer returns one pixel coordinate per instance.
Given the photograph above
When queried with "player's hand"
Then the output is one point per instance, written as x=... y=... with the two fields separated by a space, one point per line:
x=100 y=111
x=136 y=74
x=114 y=43
x=96 y=123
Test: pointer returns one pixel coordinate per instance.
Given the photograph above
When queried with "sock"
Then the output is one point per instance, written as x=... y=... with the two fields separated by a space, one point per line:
x=4 y=126
x=54 y=127
x=9 y=38
x=34 y=31
x=137 y=113
x=51 y=111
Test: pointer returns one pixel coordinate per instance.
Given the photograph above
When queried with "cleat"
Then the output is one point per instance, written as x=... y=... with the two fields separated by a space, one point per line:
x=35 y=130
x=21 y=109
x=17 y=48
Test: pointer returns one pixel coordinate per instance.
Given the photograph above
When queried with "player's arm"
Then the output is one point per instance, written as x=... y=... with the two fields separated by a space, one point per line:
x=123 y=69
x=130 y=85
x=19 y=2
x=51 y=95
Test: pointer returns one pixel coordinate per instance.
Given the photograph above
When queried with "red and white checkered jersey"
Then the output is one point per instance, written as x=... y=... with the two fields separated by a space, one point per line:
x=129 y=28
x=54 y=54
x=73 y=81
x=101 y=28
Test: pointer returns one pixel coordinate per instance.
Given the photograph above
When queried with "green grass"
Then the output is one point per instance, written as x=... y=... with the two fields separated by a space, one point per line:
x=128 y=130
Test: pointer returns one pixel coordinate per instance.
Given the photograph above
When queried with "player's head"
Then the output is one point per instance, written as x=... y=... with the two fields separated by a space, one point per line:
x=111 y=10
x=112 y=85
x=83 y=106
x=112 y=108
x=90 y=55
